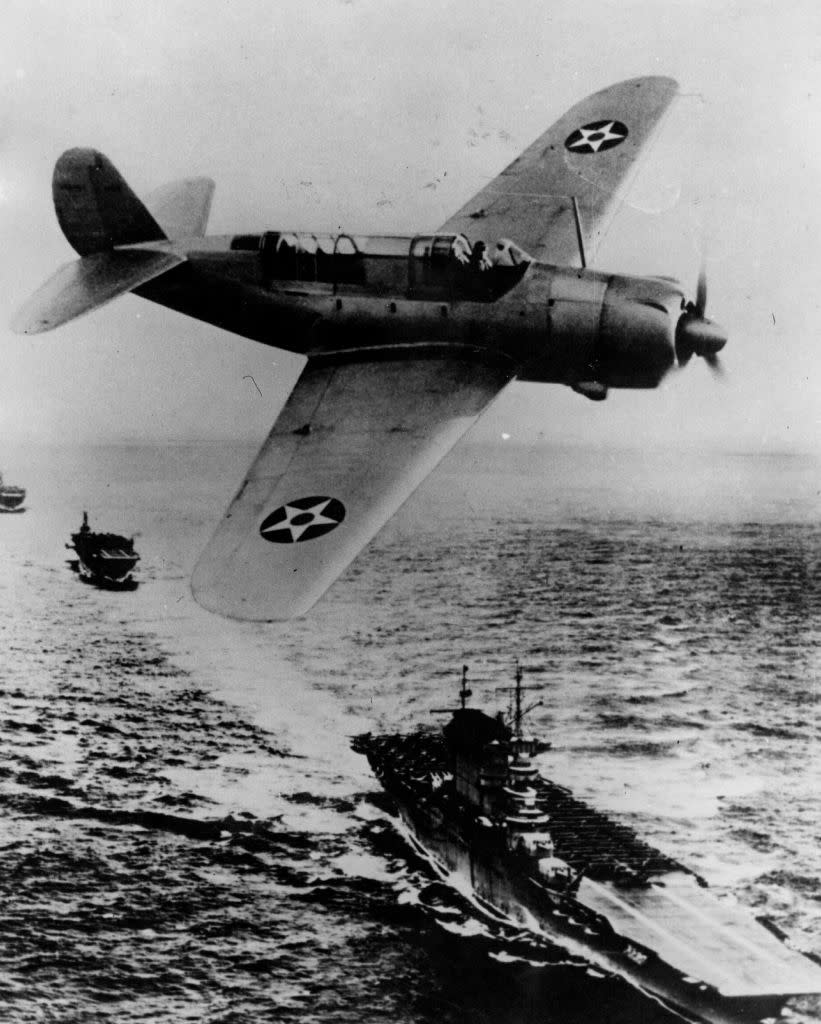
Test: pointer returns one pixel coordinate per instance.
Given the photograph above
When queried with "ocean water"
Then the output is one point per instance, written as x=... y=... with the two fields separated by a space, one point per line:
x=185 y=834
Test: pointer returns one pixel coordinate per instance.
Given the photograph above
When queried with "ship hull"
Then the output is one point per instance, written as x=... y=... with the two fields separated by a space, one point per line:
x=516 y=898
x=101 y=568
x=11 y=499
x=103 y=582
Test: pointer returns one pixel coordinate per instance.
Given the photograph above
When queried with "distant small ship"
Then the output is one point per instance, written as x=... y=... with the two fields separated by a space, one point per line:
x=11 y=498
x=105 y=559
x=474 y=806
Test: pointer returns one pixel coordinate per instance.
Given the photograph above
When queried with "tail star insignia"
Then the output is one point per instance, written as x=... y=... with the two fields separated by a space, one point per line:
x=302 y=519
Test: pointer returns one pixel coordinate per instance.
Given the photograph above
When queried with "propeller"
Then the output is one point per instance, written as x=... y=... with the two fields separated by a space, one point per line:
x=715 y=364
x=696 y=334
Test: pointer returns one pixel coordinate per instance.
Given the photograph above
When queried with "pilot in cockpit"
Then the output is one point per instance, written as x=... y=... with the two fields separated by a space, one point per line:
x=505 y=254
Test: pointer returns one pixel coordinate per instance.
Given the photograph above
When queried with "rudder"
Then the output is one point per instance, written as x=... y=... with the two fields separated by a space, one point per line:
x=96 y=208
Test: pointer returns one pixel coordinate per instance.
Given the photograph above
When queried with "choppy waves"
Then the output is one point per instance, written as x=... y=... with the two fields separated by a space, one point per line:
x=187 y=837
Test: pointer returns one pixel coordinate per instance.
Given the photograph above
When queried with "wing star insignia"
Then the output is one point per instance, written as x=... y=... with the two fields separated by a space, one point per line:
x=596 y=136
x=302 y=519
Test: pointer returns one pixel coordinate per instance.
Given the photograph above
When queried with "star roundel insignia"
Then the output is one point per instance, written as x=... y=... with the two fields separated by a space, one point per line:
x=302 y=519
x=596 y=136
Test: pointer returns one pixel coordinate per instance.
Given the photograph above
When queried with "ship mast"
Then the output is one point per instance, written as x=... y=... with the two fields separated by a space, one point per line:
x=517 y=712
x=464 y=692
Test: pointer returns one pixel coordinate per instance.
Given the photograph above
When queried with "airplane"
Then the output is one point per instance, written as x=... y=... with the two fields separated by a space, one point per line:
x=407 y=339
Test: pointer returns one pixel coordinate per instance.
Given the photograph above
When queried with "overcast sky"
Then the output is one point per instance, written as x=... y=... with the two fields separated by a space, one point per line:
x=386 y=115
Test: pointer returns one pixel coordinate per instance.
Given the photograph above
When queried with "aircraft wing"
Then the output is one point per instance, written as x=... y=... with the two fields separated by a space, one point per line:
x=352 y=443
x=590 y=153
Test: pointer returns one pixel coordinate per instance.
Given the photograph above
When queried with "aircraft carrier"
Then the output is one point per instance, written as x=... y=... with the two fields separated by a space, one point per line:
x=104 y=559
x=526 y=851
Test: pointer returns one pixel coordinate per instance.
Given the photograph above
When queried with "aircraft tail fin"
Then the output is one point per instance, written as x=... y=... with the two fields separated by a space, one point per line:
x=88 y=283
x=100 y=216
x=181 y=208
x=95 y=206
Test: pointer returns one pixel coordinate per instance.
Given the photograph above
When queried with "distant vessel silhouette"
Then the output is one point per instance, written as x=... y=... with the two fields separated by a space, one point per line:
x=104 y=559
x=11 y=498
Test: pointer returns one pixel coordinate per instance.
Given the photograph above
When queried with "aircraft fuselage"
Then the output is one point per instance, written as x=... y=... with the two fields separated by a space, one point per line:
x=553 y=324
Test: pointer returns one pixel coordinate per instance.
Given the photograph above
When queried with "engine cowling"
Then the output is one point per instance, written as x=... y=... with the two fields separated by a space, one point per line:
x=619 y=331
x=606 y=331
x=636 y=344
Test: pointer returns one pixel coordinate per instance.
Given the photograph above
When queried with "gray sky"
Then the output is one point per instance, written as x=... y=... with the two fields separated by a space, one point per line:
x=386 y=115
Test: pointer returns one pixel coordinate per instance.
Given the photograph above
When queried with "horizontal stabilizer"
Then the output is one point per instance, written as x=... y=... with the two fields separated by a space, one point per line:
x=87 y=283
x=95 y=206
x=181 y=208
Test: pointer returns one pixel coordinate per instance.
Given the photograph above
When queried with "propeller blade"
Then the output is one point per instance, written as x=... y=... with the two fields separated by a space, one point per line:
x=701 y=290
x=683 y=354
x=696 y=334
x=715 y=364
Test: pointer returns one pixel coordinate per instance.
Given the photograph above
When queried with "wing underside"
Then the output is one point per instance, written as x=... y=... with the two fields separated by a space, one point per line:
x=352 y=443
x=589 y=154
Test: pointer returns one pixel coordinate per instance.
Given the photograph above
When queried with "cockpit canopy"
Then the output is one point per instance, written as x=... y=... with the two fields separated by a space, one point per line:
x=418 y=265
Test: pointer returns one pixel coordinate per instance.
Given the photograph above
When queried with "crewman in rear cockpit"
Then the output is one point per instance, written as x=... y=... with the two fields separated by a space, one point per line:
x=479 y=257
